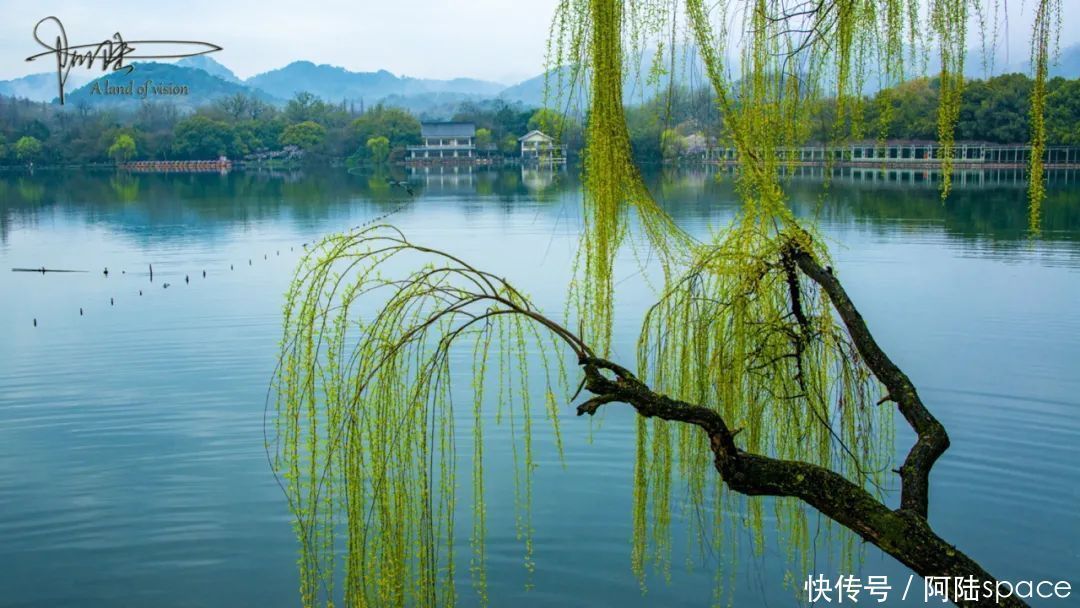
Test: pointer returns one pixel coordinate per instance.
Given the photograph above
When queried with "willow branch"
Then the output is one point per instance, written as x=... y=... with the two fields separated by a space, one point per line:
x=901 y=533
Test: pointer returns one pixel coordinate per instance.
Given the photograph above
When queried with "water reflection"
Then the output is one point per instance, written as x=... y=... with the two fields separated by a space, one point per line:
x=984 y=206
x=132 y=468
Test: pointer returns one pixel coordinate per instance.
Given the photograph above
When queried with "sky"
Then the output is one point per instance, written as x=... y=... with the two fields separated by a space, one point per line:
x=499 y=40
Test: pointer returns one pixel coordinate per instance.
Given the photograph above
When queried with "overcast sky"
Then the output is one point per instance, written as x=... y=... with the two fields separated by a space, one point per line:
x=501 y=40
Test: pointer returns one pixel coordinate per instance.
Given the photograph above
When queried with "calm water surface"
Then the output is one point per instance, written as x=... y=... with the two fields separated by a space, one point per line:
x=132 y=466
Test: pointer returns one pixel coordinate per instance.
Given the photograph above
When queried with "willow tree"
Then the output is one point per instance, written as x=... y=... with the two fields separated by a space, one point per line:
x=755 y=376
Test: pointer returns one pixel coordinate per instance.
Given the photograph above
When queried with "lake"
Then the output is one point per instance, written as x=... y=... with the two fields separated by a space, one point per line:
x=132 y=461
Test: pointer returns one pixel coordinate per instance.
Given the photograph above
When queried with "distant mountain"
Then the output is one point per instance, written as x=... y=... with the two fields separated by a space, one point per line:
x=42 y=87
x=689 y=69
x=432 y=106
x=207 y=79
x=1067 y=64
x=646 y=76
x=209 y=65
x=980 y=67
x=531 y=92
x=186 y=87
x=336 y=84
x=469 y=86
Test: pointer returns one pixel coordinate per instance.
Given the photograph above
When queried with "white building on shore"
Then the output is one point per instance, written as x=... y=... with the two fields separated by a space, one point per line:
x=539 y=147
x=445 y=142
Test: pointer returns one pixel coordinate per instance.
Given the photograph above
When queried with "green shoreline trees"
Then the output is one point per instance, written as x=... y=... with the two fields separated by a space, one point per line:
x=996 y=110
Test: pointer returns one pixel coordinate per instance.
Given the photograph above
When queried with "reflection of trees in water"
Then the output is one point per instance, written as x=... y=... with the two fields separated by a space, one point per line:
x=377 y=185
x=233 y=197
x=993 y=214
x=125 y=186
x=28 y=190
x=996 y=215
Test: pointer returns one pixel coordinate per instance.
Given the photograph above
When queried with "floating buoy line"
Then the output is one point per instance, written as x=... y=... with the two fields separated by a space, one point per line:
x=187 y=276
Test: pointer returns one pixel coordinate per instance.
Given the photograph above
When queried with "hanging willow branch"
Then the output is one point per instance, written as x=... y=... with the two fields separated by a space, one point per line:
x=903 y=533
x=360 y=432
x=752 y=339
x=365 y=437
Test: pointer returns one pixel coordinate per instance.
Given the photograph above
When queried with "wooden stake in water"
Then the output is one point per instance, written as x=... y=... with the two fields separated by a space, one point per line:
x=43 y=270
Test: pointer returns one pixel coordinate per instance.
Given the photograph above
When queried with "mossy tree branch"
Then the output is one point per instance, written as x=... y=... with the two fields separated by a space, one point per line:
x=932 y=439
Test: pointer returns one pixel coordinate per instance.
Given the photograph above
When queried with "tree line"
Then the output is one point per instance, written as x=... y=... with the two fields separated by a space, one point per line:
x=995 y=110
x=676 y=123
x=682 y=122
x=239 y=126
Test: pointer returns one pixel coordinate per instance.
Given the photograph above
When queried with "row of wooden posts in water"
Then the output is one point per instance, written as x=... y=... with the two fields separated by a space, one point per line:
x=112 y=300
x=187 y=277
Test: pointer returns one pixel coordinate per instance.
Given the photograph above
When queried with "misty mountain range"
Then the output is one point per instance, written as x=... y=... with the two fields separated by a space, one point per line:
x=206 y=79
